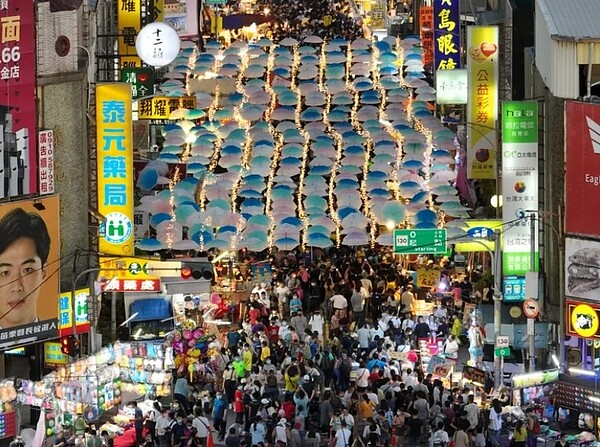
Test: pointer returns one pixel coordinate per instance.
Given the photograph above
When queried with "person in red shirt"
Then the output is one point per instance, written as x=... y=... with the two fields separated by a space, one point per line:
x=238 y=405
x=374 y=376
x=273 y=332
x=289 y=408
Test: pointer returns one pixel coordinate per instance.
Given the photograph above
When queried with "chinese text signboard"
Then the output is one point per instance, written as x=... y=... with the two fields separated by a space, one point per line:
x=446 y=34
x=141 y=80
x=128 y=275
x=132 y=15
x=451 y=86
x=519 y=183
x=426 y=32
x=582 y=178
x=46 y=161
x=65 y=312
x=18 y=128
x=53 y=355
x=115 y=168
x=482 y=107
x=161 y=107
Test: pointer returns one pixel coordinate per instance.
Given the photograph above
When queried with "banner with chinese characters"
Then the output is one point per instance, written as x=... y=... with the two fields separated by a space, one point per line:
x=141 y=80
x=446 y=34
x=426 y=33
x=161 y=107
x=53 y=355
x=18 y=128
x=451 y=86
x=115 y=168
x=29 y=267
x=482 y=107
x=46 y=161
x=132 y=15
x=65 y=312
x=128 y=275
x=519 y=184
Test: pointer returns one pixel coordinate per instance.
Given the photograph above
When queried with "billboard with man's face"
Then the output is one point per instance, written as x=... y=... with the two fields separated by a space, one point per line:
x=29 y=270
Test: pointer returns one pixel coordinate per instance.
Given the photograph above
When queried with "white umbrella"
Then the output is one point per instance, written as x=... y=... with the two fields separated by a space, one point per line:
x=288 y=42
x=313 y=39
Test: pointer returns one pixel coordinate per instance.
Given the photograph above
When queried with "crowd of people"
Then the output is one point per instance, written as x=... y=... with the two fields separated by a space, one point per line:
x=315 y=362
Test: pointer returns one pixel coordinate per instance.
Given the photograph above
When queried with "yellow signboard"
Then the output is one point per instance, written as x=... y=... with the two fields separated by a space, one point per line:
x=132 y=15
x=482 y=107
x=115 y=168
x=65 y=312
x=481 y=244
x=53 y=355
x=161 y=107
x=127 y=268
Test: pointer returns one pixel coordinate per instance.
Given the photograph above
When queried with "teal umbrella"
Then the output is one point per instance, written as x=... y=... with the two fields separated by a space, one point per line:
x=260 y=220
x=319 y=241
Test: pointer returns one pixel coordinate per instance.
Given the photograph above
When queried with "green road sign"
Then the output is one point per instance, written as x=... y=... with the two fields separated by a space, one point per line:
x=213 y=2
x=430 y=241
x=502 y=352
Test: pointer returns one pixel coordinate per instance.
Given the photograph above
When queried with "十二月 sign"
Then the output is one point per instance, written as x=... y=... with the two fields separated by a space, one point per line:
x=420 y=241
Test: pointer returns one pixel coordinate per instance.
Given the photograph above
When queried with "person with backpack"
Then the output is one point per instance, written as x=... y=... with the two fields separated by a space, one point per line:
x=371 y=433
x=342 y=436
x=440 y=437
x=345 y=368
x=327 y=366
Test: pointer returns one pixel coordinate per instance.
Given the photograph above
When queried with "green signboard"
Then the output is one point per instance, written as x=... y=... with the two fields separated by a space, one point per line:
x=520 y=161
x=502 y=352
x=425 y=241
x=141 y=80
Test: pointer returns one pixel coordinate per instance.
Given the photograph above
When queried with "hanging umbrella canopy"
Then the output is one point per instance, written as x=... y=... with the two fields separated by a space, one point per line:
x=356 y=239
x=288 y=42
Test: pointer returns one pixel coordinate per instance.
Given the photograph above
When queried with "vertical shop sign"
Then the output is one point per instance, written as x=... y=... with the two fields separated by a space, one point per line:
x=46 y=161
x=482 y=107
x=426 y=32
x=115 y=168
x=519 y=184
x=18 y=142
x=446 y=34
x=132 y=15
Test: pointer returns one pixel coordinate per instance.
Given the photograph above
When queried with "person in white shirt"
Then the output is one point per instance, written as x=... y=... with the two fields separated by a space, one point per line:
x=162 y=422
x=472 y=410
x=342 y=436
x=450 y=348
x=347 y=418
x=362 y=377
x=440 y=437
x=202 y=426
x=282 y=292
x=409 y=379
x=339 y=302
x=316 y=323
x=363 y=337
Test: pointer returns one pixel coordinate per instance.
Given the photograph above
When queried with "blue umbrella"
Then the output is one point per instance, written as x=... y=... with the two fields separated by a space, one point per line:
x=286 y=243
x=156 y=219
x=315 y=211
x=379 y=192
x=319 y=240
x=426 y=215
x=147 y=179
x=227 y=229
x=413 y=164
x=149 y=245
x=292 y=221
x=345 y=211
x=425 y=225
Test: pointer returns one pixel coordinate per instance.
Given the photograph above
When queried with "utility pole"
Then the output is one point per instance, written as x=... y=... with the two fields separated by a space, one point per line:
x=532 y=268
x=497 y=270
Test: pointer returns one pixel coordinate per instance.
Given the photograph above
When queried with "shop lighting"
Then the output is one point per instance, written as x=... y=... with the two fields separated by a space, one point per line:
x=594 y=399
x=137 y=333
x=583 y=372
x=129 y=319
x=555 y=361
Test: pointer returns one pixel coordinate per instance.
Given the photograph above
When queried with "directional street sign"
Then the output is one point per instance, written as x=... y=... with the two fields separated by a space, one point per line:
x=502 y=352
x=429 y=241
x=502 y=341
